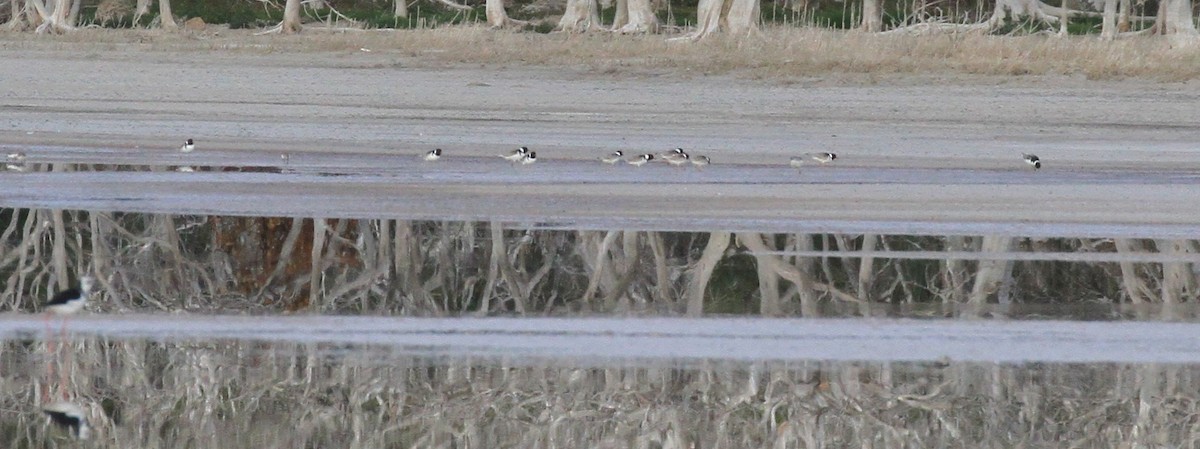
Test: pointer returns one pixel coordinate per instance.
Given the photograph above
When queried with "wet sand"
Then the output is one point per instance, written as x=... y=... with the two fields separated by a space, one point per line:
x=935 y=155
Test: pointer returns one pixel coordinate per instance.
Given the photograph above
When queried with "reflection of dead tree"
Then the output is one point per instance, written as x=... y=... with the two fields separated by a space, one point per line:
x=703 y=269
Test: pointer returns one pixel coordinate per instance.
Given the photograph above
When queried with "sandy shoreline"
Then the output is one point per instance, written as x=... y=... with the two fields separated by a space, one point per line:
x=1119 y=155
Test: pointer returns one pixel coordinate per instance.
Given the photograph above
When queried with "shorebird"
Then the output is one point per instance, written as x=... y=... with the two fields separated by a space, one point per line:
x=516 y=155
x=285 y=157
x=69 y=416
x=613 y=158
x=188 y=146
x=71 y=300
x=433 y=154
x=16 y=161
x=1032 y=159
x=529 y=158
x=701 y=161
x=676 y=159
x=640 y=160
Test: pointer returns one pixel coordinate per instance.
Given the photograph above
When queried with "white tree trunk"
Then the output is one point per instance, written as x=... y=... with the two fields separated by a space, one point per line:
x=872 y=20
x=1179 y=17
x=991 y=273
x=635 y=16
x=401 y=9
x=702 y=271
x=1108 y=26
x=496 y=16
x=54 y=16
x=143 y=8
x=291 y=17
x=166 y=19
x=73 y=17
x=742 y=17
x=581 y=16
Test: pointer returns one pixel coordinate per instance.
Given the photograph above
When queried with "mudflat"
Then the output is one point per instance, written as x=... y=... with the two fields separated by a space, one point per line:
x=937 y=153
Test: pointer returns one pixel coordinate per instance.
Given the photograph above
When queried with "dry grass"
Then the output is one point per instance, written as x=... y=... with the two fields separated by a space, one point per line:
x=774 y=53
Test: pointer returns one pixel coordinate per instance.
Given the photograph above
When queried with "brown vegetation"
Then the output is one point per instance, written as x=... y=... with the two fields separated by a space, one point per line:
x=774 y=53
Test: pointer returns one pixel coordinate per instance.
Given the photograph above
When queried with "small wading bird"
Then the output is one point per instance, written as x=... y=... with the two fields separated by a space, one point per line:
x=16 y=161
x=701 y=161
x=640 y=160
x=70 y=417
x=71 y=300
x=188 y=146
x=433 y=154
x=676 y=159
x=529 y=158
x=1032 y=159
x=516 y=155
x=613 y=158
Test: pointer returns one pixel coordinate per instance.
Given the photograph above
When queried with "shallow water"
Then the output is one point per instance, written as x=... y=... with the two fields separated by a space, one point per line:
x=367 y=301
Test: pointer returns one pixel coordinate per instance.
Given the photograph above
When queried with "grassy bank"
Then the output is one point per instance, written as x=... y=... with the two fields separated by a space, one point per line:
x=776 y=52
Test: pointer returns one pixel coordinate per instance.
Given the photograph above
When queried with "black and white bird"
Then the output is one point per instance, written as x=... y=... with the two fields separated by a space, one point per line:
x=15 y=161
x=433 y=154
x=187 y=147
x=1032 y=159
x=70 y=417
x=640 y=160
x=71 y=301
x=613 y=158
x=701 y=161
x=517 y=155
x=676 y=159
x=529 y=158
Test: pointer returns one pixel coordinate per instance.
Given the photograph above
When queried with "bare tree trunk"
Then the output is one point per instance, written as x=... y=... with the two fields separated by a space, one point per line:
x=166 y=20
x=743 y=16
x=291 y=17
x=768 y=277
x=1135 y=287
x=143 y=8
x=702 y=272
x=661 y=274
x=872 y=19
x=73 y=17
x=866 y=267
x=496 y=16
x=581 y=16
x=955 y=274
x=401 y=9
x=1180 y=27
x=1123 y=16
x=1108 y=26
x=708 y=18
x=55 y=20
x=1179 y=281
x=635 y=16
x=990 y=275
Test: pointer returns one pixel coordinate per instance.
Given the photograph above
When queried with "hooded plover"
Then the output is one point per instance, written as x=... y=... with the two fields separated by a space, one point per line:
x=16 y=161
x=823 y=157
x=1032 y=159
x=613 y=158
x=69 y=416
x=72 y=300
x=516 y=155
x=676 y=159
x=433 y=154
x=529 y=158
x=187 y=147
x=640 y=160
x=701 y=161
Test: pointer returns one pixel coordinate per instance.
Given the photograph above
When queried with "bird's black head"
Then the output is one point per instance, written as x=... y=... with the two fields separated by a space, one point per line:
x=678 y=150
x=189 y=142
x=437 y=151
x=832 y=156
x=1037 y=165
x=523 y=150
x=618 y=153
x=533 y=155
x=648 y=157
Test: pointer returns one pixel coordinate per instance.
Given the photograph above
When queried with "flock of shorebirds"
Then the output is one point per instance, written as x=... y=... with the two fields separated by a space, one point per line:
x=524 y=156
